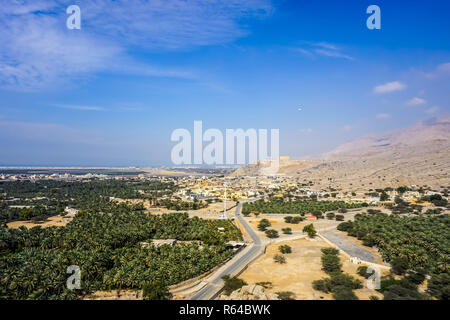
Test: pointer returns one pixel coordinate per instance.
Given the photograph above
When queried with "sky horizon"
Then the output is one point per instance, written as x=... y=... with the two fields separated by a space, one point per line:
x=111 y=93
x=315 y=157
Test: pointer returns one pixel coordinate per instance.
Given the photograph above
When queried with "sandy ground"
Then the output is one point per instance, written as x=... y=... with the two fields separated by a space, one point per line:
x=213 y=211
x=302 y=267
x=55 y=221
x=277 y=223
x=115 y=295
x=304 y=263
x=350 y=245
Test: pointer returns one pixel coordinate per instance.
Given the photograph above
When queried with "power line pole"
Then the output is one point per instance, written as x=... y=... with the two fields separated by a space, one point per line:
x=225 y=201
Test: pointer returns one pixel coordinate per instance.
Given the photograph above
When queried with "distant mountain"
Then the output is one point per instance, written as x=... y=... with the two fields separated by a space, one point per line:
x=425 y=137
x=286 y=167
x=417 y=155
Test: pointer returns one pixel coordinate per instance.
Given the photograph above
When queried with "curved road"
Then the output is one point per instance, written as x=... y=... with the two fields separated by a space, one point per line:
x=215 y=282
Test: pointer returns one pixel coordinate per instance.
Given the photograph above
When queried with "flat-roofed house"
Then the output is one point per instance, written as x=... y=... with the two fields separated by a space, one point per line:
x=159 y=242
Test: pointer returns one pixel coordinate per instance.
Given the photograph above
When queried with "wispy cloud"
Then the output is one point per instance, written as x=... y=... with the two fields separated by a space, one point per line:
x=347 y=128
x=444 y=67
x=389 y=87
x=415 y=102
x=172 y=24
x=324 y=49
x=38 y=49
x=441 y=70
x=333 y=54
x=305 y=52
x=327 y=45
x=383 y=116
x=79 y=107
x=432 y=110
x=306 y=130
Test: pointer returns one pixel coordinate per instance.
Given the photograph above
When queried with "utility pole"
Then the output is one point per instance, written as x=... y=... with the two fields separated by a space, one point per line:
x=225 y=201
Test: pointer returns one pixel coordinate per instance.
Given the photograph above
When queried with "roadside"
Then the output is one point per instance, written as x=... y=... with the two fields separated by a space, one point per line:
x=302 y=267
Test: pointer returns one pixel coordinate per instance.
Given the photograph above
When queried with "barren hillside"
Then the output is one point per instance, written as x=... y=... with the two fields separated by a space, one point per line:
x=417 y=155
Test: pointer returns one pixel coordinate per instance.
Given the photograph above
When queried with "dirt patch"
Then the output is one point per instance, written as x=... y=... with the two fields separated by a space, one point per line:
x=115 y=295
x=302 y=267
x=213 y=211
x=278 y=223
x=55 y=221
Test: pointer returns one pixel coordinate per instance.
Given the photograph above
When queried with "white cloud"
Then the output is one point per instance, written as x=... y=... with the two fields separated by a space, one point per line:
x=347 y=128
x=333 y=54
x=445 y=67
x=326 y=45
x=389 y=87
x=383 y=116
x=79 y=107
x=172 y=24
x=306 y=130
x=432 y=110
x=323 y=49
x=118 y=107
x=38 y=49
x=441 y=70
x=305 y=52
x=416 y=102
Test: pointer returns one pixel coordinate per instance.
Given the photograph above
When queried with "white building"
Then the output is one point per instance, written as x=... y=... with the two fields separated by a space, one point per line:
x=71 y=211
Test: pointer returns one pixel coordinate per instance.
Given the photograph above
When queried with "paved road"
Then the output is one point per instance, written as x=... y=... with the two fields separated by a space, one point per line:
x=215 y=282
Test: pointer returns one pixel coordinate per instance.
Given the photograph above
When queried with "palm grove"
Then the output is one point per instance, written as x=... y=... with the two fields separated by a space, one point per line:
x=416 y=247
x=105 y=240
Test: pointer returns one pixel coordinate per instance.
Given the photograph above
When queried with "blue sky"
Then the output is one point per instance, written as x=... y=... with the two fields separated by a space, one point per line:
x=113 y=92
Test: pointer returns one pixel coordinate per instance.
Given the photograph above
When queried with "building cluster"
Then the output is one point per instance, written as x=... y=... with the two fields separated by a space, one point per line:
x=229 y=187
x=284 y=187
x=194 y=187
x=33 y=177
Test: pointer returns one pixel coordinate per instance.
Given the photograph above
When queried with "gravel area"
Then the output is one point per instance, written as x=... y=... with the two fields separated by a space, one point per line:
x=352 y=248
